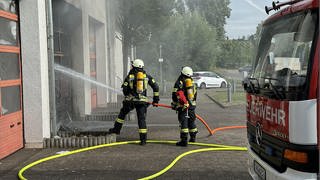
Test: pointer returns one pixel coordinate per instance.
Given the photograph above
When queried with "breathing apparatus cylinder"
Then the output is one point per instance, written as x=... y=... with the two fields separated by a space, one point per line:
x=189 y=86
x=140 y=82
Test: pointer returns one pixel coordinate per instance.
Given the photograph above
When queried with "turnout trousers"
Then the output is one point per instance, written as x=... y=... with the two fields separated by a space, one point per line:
x=187 y=124
x=141 y=109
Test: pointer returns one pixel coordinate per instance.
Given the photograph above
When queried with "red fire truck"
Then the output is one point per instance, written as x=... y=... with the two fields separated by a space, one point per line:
x=283 y=95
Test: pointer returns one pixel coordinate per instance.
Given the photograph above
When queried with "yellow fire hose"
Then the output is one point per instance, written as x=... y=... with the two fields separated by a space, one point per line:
x=213 y=147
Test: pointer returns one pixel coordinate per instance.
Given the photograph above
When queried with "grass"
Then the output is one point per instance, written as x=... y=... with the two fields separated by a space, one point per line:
x=237 y=98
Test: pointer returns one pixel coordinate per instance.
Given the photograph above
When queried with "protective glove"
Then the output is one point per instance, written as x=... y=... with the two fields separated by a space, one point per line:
x=185 y=106
x=174 y=105
x=155 y=101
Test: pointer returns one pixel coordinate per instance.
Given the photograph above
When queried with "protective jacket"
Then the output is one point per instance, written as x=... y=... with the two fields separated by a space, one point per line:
x=135 y=86
x=135 y=91
x=184 y=97
x=187 y=86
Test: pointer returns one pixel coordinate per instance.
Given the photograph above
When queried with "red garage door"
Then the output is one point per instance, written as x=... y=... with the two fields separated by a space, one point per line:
x=11 y=131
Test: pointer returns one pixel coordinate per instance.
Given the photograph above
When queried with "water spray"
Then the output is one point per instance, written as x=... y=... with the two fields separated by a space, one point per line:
x=77 y=75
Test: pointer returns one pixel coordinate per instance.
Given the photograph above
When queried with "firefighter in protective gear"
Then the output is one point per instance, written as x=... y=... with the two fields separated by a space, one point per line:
x=135 y=91
x=184 y=97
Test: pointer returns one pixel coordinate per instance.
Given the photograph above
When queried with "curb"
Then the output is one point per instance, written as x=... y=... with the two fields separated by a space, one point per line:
x=75 y=142
x=215 y=101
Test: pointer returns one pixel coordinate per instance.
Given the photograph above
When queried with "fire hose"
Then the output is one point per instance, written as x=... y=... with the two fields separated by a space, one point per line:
x=211 y=131
x=211 y=147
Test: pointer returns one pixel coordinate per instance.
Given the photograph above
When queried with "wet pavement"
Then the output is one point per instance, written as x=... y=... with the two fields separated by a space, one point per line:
x=134 y=161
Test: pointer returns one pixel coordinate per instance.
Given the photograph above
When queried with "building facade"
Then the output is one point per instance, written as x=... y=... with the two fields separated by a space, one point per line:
x=58 y=66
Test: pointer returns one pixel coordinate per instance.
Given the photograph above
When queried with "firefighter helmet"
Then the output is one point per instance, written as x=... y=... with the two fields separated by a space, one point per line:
x=138 y=63
x=187 y=71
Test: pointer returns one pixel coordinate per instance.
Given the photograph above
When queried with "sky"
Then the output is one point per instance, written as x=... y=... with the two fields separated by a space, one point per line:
x=245 y=16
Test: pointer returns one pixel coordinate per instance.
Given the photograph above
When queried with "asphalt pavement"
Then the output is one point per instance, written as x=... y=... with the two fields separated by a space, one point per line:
x=134 y=161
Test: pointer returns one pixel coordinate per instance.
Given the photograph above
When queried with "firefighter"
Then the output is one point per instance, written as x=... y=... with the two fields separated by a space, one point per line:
x=135 y=91
x=184 y=96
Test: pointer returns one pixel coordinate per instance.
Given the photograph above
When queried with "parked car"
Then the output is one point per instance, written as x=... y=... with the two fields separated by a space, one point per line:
x=245 y=68
x=207 y=79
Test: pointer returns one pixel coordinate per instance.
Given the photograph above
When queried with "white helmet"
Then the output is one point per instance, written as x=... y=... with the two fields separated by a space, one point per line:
x=187 y=71
x=138 y=63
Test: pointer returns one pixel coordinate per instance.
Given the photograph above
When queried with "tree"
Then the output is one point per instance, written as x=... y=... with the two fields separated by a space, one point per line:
x=235 y=53
x=139 y=19
x=214 y=11
x=180 y=7
x=189 y=40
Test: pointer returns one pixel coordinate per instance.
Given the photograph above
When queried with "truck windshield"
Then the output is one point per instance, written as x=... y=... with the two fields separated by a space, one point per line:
x=284 y=56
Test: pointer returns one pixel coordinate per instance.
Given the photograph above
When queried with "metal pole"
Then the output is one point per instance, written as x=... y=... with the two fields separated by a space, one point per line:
x=52 y=92
x=132 y=53
x=229 y=92
x=233 y=86
x=161 y=82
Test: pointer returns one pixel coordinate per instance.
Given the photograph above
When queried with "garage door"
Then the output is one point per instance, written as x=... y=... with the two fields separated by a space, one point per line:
x=11 y=127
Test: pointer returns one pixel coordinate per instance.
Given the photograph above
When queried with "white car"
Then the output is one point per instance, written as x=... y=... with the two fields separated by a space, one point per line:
x=207 y=79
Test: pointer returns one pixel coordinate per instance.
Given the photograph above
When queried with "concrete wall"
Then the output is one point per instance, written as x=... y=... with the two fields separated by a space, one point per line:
x=114 y=47
x=94 y=10
x=118 y=61
x=109 y=50
x=77 y=51
x=34 y=56
x=102 y=65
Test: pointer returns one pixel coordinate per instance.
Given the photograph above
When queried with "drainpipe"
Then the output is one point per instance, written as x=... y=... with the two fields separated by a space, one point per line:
x=52 y=93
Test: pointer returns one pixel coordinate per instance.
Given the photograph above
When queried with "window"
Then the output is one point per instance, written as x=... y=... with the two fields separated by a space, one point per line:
x=8 y=32
x=284 y=55
x=9 y=66
x=8 y=5
x=10 y=99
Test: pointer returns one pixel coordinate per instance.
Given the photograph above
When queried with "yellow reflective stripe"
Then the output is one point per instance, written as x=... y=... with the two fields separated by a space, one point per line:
x=121 y=121
x=125 y=83
x=174 y=89
x=193 y=130
x=142 y=130
x=186 y=130
x=153 y=81
x=155 y=93
x=145 y=82
x=131 y=79
x=141 y=98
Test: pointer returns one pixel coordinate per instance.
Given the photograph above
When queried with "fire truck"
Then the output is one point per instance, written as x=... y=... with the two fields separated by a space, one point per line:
x=283 y=94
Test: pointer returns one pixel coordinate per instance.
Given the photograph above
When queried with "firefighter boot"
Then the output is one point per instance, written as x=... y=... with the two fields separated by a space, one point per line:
x=193 y=136
x=116 y=129
x=143 y=138
x=184 y=140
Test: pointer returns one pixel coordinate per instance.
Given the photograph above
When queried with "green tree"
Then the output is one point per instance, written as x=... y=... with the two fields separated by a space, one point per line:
x=139 y=19
x=180 y=7
x=189 y=40
x=214 y=11
x=235 y=53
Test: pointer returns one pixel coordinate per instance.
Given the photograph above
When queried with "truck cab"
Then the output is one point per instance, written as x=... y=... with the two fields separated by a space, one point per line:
x=282 y=94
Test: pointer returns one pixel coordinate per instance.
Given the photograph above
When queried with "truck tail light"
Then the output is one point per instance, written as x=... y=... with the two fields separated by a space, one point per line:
x=300 y=157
